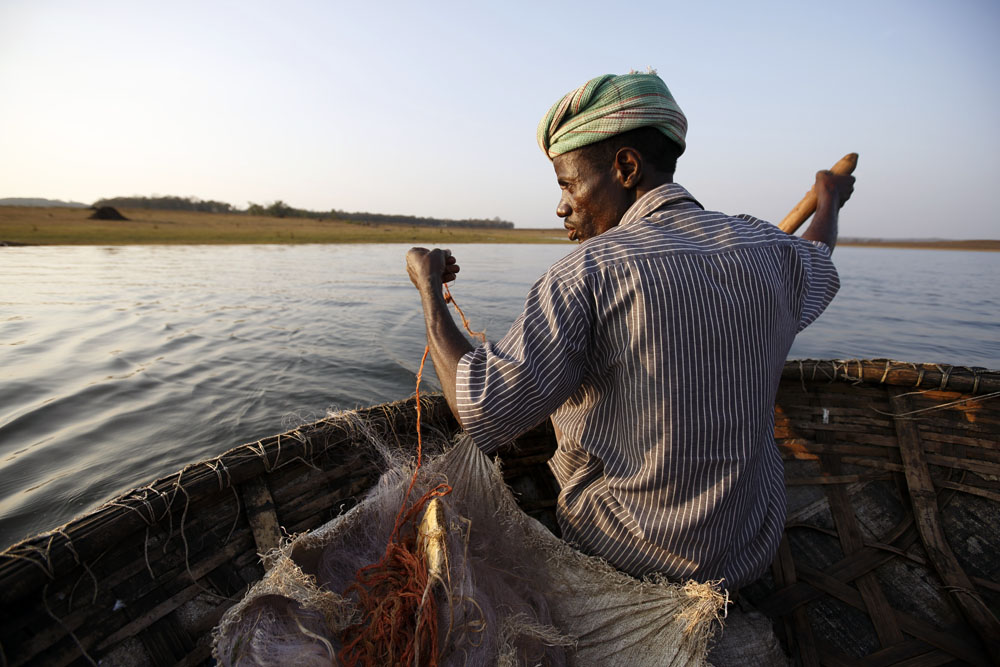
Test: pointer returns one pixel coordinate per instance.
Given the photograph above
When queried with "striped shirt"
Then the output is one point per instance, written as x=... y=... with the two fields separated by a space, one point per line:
x=656 y=347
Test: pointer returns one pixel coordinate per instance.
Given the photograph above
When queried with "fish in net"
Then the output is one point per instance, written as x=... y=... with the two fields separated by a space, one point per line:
x=506 y=591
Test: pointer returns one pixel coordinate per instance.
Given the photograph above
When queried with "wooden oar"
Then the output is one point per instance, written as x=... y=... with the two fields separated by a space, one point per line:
x=807 y=206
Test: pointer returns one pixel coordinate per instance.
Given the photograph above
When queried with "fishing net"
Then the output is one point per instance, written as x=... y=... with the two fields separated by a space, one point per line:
x=501 y=588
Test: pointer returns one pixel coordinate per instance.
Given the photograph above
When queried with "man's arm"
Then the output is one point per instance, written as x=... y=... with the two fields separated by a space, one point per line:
x=832 y=191
x=429 y=270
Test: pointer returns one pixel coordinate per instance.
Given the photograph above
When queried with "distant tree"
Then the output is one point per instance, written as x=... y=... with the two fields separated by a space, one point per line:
x=280 y=209
x=167 y=203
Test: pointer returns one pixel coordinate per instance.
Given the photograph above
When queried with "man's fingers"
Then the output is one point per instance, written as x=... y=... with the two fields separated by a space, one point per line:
x=423 y=264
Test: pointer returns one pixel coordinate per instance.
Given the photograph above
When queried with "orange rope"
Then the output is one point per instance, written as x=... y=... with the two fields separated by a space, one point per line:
x=448 y=298
x=398 y=623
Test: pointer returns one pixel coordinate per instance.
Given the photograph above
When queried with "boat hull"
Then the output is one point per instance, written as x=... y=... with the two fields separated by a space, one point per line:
x=893 y=477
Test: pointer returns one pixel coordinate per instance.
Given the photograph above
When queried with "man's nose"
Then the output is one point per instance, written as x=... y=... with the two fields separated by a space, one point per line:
x=563 y=210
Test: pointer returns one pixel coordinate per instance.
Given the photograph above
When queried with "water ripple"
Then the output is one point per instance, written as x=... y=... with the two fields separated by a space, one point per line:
x=124 y=364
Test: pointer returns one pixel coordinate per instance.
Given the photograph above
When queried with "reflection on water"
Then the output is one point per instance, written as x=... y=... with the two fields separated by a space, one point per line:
x=122 y=364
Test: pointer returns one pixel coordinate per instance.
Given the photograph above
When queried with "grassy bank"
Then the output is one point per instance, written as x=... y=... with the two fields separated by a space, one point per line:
x=72 y=226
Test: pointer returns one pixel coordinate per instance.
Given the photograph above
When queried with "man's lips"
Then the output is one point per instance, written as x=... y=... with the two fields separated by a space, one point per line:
x=572 y=232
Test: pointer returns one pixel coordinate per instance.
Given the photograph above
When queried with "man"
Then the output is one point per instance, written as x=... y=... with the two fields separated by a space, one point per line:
x=655 y=346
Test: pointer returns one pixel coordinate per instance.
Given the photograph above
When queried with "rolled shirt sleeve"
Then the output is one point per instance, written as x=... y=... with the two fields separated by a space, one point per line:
x=508 y=387
x=821 y=280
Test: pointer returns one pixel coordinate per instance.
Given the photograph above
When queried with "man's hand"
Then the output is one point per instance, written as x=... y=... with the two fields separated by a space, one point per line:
x=430 y=268
x=832 y=190
x=832 y=187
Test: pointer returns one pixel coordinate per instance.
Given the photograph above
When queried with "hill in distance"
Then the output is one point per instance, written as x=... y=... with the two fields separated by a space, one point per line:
x=32 y=201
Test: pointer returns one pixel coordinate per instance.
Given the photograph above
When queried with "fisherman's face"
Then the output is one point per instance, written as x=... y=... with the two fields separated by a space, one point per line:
x=593 y=199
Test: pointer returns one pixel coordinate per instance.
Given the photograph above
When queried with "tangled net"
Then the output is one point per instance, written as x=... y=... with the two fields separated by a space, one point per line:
x=501 y=589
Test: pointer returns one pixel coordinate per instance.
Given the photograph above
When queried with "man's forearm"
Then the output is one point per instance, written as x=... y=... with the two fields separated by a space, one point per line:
x=832 y=191
x=823 y=227
x=446 y=342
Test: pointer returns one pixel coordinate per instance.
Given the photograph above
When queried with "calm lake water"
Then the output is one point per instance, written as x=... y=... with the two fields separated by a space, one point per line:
x=120 y=365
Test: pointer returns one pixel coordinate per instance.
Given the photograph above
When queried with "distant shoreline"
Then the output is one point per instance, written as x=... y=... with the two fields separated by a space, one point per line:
x=27 y=225
x=977 y=245
x=24 y=225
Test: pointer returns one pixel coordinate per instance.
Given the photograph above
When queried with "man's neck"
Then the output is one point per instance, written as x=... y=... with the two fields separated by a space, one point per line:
x=652 y=181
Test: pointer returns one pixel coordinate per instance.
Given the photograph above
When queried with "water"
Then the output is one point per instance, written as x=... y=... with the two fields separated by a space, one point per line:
x=123 y=364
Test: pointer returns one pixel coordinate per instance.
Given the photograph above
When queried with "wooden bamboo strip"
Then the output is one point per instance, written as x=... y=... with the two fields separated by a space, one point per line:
x=89 y=636
x=827 y=387
x=961 y=452
x=925 y=510
x=929 y=659
x=834 y=479
x=986 y=444
x=208 y=576
x=873 y=463
x=198 y=570
x=945 y=639
x=89 y=619
x=834 y=415
x=885 y=371
x=868 y=439
x=846 y=410
x=848 y=569
x=261 y=514
x=170 y=561
x=911 y=652
x=326 y=501
x=166 y=642
x=155 y=614
x=879 y=610
x=62 y=654
x=970 y=489
x=978 y=467
x=817 y=506
x=833 y=448
x=839 y=428
x=798 y=632
x=289 y=487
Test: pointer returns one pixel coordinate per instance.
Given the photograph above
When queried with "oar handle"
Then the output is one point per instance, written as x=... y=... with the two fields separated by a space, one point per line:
x=807 y=206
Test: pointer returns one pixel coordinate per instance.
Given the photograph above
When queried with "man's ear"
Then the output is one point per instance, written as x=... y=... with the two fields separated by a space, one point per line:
x=628 y=167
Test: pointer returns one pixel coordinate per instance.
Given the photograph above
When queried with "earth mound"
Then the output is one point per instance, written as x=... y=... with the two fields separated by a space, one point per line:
x=107 y=213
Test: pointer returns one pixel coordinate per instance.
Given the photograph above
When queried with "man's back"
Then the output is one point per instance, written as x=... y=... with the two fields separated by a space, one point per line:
x=657 y=347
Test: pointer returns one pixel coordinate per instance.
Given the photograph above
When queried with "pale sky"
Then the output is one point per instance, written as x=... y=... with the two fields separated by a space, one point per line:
x=431 y=108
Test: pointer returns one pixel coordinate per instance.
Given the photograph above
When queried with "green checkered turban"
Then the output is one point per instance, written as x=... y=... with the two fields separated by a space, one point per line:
x=609 y=105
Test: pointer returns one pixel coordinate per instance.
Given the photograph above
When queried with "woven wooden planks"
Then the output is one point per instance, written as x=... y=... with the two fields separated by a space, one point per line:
x=892 y=533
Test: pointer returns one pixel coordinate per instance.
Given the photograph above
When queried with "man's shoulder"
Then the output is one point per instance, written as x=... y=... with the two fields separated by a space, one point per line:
x=664 y=233
x=675 y=228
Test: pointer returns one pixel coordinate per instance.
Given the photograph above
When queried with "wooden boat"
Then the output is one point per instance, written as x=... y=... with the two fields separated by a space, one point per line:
x=890 y=553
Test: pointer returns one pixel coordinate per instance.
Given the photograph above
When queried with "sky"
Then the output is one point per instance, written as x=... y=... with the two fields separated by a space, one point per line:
x=431 y=108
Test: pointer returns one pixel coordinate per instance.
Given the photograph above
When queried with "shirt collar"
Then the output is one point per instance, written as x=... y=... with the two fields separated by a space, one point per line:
x=662 y=197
